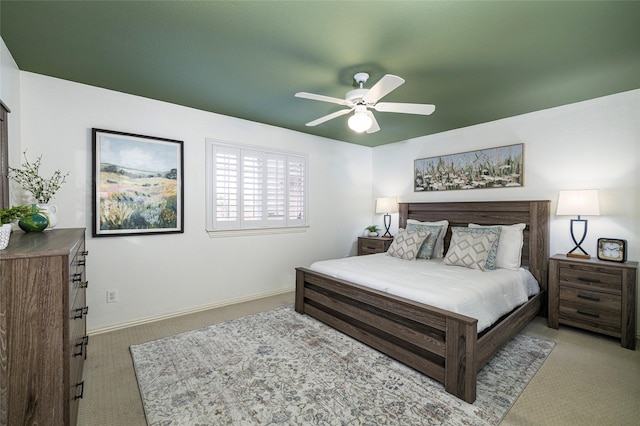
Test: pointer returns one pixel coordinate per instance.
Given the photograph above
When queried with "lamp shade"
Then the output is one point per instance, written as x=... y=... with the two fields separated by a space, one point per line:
x=583 y=202
x=387 y=205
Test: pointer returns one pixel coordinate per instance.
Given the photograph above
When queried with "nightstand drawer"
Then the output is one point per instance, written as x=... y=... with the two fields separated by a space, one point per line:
x=372 y=245
x=592 y=310
x=590 y=304
x=369 y=246
x=591 y=278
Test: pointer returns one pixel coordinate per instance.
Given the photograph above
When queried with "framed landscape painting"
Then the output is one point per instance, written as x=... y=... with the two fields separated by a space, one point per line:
x=138 y=184
x=500 y=167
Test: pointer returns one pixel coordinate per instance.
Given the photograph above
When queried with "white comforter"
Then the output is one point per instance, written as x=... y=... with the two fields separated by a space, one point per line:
x=483 y=295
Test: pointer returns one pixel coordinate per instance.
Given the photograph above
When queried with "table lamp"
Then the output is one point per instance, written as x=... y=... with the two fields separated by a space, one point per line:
x=387 y=205
x=582 y=202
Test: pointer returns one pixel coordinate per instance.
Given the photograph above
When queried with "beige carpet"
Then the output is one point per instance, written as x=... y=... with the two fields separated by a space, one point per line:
x=588 y=379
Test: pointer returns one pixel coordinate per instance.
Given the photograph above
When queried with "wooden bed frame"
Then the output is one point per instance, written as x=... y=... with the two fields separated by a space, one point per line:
x=441 y=344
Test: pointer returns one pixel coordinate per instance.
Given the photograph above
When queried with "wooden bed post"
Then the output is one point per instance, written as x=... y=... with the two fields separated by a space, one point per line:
x=299 y=304
x=460 y=364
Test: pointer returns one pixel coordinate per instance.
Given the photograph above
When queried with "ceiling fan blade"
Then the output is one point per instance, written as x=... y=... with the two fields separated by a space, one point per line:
x=322 y=98
x=328 y=117
x=375 y=127
x=422 y=109
x=383 y=87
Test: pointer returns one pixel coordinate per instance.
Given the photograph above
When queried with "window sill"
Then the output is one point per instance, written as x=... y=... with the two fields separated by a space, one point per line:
x=257 y=231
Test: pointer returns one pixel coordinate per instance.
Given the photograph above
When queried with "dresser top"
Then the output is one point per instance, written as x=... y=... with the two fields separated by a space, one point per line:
x=55 y=242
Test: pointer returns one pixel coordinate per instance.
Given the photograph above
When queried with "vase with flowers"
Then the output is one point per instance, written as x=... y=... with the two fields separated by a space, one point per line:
x=43 y=190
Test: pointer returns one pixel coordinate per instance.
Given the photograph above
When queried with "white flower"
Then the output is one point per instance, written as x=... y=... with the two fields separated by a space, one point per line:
x=29 y=179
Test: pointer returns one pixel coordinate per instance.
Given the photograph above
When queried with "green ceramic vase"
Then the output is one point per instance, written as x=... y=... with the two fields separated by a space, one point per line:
x=35 y=223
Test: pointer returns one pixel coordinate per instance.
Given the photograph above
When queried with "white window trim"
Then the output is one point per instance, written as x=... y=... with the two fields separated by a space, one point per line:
x=240 y=226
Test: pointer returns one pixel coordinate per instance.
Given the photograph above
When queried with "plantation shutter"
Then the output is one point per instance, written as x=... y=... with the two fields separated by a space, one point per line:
x=250 y=188
x=275 y=187
x=297 y=190
x=226 y=186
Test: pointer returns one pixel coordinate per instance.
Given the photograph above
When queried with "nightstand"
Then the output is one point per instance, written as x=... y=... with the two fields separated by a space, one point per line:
x=594 y=295
x=371 y=245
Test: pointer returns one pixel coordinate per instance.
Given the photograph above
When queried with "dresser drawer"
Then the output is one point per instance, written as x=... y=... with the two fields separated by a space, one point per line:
x=76 y=386
x=78 y=316
x=77 y=278
x=584 y=276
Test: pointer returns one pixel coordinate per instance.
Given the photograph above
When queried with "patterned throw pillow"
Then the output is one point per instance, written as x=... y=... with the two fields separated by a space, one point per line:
x=493 y=253
x=510 y=247
x=406 y=244
x=469 y=249
x=438 y=250
x=426 y=250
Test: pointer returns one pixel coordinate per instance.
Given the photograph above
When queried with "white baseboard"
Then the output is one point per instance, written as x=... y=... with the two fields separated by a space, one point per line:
x=188 y=311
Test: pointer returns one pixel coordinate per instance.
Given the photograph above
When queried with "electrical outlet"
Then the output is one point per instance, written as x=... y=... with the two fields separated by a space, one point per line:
x=112 y=296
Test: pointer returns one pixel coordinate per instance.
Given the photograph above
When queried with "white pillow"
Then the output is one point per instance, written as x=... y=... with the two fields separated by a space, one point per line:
x=510 y=245
x=406 y=244
x=438 y=250
x=469 y=249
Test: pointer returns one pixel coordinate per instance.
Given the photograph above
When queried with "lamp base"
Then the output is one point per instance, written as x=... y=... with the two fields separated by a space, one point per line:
x=584 y=254
x=579 y=256
x=387 y=225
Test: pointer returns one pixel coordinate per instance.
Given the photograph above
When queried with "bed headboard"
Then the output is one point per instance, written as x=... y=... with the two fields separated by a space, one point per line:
x=535 y=251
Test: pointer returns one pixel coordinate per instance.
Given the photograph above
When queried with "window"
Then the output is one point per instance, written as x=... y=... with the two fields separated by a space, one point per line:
x=251 y=188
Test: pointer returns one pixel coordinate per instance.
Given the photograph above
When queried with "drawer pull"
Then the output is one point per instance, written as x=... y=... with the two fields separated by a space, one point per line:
x=81 y=386
x=587 y=297
x=81 y=262
x=80 y=347
x=77 y=277
x=84 y=284
x=588 y=314
x=589 y=280
x=80 y=312
x=372 y=248
x=84 y=253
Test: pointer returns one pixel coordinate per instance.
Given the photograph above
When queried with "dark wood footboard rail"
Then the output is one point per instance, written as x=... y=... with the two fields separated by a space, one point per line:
x=436 y=342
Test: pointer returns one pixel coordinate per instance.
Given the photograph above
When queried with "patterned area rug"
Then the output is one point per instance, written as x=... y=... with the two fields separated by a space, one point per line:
x=280 y=367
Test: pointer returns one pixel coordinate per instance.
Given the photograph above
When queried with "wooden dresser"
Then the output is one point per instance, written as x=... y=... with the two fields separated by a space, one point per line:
x=43 y=336
x=594 y=295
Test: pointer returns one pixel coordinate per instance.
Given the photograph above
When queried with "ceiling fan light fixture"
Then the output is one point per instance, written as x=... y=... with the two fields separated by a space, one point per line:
x=360 y=121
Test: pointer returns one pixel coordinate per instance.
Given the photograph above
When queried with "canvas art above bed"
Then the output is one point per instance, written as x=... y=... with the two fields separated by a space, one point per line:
x=501 y=167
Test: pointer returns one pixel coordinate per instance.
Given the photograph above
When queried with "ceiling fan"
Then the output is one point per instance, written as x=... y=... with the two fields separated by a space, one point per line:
x=360 y=100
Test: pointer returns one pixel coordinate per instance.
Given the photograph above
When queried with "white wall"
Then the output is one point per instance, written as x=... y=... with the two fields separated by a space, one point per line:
x=587 y=145
x=164 y=274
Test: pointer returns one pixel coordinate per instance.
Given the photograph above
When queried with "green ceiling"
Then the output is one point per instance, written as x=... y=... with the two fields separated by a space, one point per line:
x=476 y=61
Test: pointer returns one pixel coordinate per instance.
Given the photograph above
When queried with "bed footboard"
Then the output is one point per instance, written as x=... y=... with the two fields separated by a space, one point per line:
x=438 y=343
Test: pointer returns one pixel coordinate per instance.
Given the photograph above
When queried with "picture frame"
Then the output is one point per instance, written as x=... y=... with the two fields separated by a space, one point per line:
x=500 y=167
x=138 y=184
